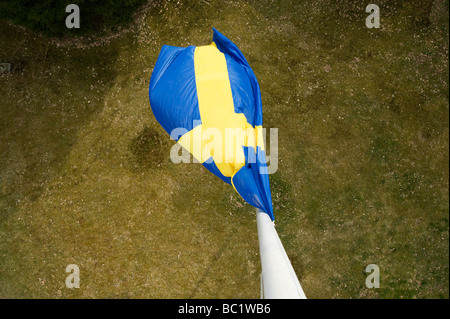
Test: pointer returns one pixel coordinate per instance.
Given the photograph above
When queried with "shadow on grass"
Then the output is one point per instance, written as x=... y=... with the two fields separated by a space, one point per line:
x=148 y=149
x=52 y=94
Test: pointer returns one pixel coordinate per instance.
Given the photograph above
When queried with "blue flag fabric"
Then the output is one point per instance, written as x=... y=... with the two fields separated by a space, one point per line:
x=212 y=94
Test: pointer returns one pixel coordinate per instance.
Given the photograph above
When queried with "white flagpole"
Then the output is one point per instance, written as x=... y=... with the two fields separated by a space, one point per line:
x=278 y=278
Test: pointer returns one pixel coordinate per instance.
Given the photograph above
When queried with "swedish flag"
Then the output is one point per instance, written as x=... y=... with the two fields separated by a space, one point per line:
x=212 y=93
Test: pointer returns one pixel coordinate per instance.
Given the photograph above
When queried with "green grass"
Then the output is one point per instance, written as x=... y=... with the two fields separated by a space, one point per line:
x=363 y=119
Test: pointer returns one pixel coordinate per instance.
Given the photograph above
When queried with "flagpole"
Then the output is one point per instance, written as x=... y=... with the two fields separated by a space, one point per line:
x=278 y=278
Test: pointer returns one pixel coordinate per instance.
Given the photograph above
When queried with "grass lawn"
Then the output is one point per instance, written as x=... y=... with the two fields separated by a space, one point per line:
x=363 y=123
